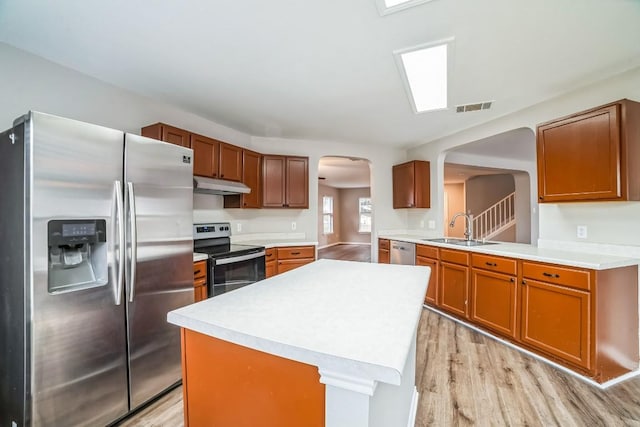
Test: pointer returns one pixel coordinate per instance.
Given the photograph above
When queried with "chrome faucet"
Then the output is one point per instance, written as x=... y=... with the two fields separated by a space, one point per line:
x=468 y=232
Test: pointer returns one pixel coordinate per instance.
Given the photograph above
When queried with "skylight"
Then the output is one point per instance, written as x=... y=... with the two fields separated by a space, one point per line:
x=425 y=71
x=386 y=7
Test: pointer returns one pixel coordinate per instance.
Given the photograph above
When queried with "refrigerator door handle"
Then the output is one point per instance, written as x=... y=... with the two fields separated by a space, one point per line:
x=119 y=218
x=134 y=241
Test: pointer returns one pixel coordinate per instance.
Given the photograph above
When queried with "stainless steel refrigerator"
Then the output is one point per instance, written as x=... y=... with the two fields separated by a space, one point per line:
x=95 y=248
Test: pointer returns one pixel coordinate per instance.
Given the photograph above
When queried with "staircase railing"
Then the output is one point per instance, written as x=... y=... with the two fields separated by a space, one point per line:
x=495 y=217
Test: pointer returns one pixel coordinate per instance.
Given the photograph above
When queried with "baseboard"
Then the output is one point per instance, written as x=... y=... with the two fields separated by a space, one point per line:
x=344 y=243
x=328 y=246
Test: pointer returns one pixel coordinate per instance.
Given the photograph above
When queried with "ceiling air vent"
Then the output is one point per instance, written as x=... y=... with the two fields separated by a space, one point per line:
x=474 y=107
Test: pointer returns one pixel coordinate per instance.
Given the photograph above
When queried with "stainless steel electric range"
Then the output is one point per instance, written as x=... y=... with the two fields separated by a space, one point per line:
x=231 y=266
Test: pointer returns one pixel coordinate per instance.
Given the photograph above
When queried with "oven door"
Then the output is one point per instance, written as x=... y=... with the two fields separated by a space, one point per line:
x=235 y=272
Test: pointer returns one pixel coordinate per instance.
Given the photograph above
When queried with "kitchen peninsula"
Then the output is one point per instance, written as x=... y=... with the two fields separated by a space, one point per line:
x=330 y=343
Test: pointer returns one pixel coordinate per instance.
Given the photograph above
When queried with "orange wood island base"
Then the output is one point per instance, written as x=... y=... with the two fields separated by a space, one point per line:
x=330 y=344
x=230 y=385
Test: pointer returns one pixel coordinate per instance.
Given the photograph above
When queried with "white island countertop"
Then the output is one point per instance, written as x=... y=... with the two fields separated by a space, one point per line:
x=338 y=315
x=532 y=253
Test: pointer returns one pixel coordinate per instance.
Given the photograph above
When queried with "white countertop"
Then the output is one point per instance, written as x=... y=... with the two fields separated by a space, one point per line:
x=199 y=257
x=533 y=253
x=340 y=315
x=278 y=243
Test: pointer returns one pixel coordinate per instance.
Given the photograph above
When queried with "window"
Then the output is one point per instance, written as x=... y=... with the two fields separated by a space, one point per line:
x=386 y=7
x=425 y=75
x=327 y=214
x=364 y=208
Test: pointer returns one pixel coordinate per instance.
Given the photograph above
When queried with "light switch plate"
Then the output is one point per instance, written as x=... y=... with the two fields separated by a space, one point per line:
x=293 y=226
x=238 y=227
x=581 y=232
x=431 y=224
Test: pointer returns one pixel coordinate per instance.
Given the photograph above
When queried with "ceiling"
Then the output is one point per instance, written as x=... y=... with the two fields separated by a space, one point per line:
x=344 y=172
x=325 y=70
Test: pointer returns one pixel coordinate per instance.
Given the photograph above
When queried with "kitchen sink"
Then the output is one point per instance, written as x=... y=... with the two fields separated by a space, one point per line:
x=459 y=242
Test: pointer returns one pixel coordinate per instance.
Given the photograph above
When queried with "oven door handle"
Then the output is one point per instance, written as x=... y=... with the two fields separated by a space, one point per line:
x=230 y=260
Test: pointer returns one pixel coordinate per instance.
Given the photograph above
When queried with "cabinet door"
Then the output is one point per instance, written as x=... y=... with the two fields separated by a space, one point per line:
x=493 y=301
x=205 y=156
x=403 y=183
x=290 y=264
x=167 y=133
x=251 y=177
x=556 y=320
x=270 y=268
x=384 y=256
x=230 y=165
x=273 y=181
x=454 y=288
x=432 y=289
x=579 y=157
x=297 y=182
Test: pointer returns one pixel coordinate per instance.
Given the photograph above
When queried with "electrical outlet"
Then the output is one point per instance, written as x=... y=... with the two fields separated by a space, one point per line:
x=238 y=227
x=582 y=232
x=293 y=226
x=431 y=224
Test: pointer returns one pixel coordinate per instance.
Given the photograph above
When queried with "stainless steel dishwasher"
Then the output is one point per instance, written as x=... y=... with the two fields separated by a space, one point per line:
x=402 y=253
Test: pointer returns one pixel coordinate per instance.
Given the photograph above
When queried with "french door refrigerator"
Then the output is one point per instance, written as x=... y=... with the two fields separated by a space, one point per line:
x=95 y=248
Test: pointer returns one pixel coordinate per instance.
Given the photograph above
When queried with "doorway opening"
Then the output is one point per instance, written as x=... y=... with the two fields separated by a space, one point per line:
x=490 y=181
x=344 y=208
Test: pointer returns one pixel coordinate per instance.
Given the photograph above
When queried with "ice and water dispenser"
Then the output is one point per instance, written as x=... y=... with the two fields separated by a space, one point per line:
x=77 y=254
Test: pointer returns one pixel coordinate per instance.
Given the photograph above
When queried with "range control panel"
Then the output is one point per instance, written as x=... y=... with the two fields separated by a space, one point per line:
x=211 y=230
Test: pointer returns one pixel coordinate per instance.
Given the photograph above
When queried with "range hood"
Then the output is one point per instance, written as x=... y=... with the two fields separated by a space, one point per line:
x=218 y=186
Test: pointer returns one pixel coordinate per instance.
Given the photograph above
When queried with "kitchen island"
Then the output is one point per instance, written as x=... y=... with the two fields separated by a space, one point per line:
x=330 y=343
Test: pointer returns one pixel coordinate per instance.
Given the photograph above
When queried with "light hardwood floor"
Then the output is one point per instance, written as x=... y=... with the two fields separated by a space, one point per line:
x=346 y=252
x=465 y=379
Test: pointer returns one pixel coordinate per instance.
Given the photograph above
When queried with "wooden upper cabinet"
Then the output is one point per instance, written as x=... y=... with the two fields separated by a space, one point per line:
x=411 y=185
x=230 y=165
x=166 y=133
x=592 y=155
x=205 y=156
x=297 y=185
x=252 y=177
x=285 y=182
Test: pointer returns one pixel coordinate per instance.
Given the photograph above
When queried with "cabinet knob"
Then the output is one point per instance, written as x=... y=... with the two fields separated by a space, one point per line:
x=221 y=175
x=524 y=282
x=541 y=197
x=512 y=280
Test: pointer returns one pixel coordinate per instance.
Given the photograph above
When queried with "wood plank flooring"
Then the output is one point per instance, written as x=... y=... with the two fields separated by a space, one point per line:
x=346 y=252
x=467 y=379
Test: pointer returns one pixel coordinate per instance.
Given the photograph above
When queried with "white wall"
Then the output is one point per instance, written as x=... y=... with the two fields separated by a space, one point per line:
x=612 y=222
x=32 y=83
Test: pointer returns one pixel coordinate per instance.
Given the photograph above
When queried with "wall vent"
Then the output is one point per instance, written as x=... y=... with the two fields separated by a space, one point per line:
x=474 y=107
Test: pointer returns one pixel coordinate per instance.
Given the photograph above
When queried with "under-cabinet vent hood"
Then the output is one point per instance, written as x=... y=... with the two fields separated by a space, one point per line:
x=218 y=186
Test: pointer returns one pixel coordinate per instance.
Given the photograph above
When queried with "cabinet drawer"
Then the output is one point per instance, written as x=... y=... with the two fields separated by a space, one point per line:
x=270 y=254
x=296 y=252
x=427 y=251
x=455 y=257
x=200 y=270
x=383 y=244
x=290 y=264
x=494 y=263
x=565 y=276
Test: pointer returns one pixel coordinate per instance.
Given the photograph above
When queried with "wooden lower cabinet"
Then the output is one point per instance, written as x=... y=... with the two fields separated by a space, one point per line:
x=454 y=282
x=383 y=251
x=586 y=320
x=557 y=320
x=494 y=304
x=271 y=262
x=199 y=281
x=428 y=256
x=282 y=259
x=494 y=294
